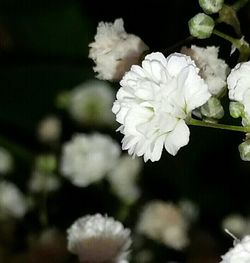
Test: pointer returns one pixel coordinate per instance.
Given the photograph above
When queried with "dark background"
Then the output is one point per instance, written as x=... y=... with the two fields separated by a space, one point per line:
x=44 y=49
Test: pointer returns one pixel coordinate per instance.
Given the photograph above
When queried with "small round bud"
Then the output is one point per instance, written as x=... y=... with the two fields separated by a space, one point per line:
x=46 y=163
x=201 y=26
x=211 y=6
x=212 y=109
x=236 y=109
x=244 y=149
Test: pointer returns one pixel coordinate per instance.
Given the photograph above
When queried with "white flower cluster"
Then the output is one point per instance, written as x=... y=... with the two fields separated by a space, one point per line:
x=165 y=223
x=155 y=100
x=88 y=158
x=123 y=179
x=240 y=253
x=114 y=50
x=239 y=88
x=12 y=201
x=212 y=69
x=99 y=238
x=90 y=103
x=6 y=161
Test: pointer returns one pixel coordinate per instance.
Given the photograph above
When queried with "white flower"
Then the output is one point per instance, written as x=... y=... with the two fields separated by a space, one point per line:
x=123 y=178
x=40 y=182
x=212 y=69
x=6 y=161
x=240 y=253
x=99 y=239
x=12 y=201
x=238 y=85
x=236 y=224
x=90 y=103
x=114 y=51
x=49 y=129
x=153 y=102
x=88 y=158
x=164 y=222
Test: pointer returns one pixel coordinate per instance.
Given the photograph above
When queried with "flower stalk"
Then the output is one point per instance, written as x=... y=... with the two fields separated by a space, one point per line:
x=200 y=123
x=239 y=43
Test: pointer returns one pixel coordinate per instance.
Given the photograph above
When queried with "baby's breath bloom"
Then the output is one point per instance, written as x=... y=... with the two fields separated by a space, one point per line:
x=164 y=222
x=90 y=103
x=88 y=158
x=114 y=50
x=212 y=69
x=240 y=253
x=123 y=178
x=238 y=85
x=97 y=238
x=155 y=100
x=12 y=201
x=6 y=161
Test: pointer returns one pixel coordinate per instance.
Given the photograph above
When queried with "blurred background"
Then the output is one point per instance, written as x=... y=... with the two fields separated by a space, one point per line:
x=44 y=51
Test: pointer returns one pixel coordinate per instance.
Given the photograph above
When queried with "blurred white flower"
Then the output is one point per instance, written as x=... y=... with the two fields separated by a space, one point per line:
x=155 y=100
x=99 y=238
x=49 y=129
x=212 y=69
x=114 y=51
x=238 y=85
x=237 y=224
x=240 y=253
x=164 y=222
x=123 y=178
x=6 y=161
x=88 y=158
x=12 y=201
x=90 y=103
x=40 y=182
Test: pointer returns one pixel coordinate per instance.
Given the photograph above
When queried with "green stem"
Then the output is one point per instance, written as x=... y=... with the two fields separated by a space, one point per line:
x=239 y=43
x=234 y=41
x=195 y=122
x=239 y=4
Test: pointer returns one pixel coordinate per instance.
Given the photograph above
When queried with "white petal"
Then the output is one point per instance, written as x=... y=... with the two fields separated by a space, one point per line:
x=177 y=138
x=176 y=62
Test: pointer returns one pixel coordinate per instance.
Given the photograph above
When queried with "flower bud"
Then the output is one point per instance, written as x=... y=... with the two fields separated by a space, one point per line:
x=212 y=109
x=46 y=163
x=201 y=26
x=244 y=149
x=236 y=109
x=211 y=6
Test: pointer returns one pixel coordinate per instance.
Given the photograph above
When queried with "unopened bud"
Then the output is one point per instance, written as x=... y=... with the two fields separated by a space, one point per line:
x=212 y=109
x=244 y=149
x=46 y=163
x=201 y=26
x=211 y=6
x=236 y=109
